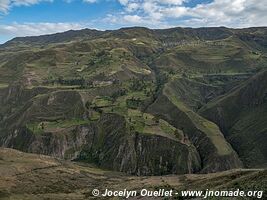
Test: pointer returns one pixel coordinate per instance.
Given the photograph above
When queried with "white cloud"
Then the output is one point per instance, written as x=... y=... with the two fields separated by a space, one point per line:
x=121 y=20
x=152 y=8
x=6 y=5
x=175 y=12
x=131 y=7
x=90 y=1
x=233 y=13
x=32 y=29
x=124 y=2
x=172 y=2
x=151 y=13
x=133 y=19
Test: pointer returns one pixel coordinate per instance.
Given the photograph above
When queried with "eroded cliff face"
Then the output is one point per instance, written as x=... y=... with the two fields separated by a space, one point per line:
x=115 y=146
x=215 y=152
x=109 y=142
x=181 y=98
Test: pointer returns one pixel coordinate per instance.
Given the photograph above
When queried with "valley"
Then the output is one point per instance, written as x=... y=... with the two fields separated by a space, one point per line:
x=177 y=107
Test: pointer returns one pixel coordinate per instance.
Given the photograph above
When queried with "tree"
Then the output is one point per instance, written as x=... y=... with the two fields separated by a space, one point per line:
x=156 y=119
x=42 y=125
x=88 y=104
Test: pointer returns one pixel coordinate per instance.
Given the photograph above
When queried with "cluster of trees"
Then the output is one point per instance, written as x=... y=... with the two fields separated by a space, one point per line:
x=78 y=81
x=71 y=81
x=149 y=92
x=137 y=84
x=134 y=103
x=82 y=82
x=100 y=57
x=118 y=93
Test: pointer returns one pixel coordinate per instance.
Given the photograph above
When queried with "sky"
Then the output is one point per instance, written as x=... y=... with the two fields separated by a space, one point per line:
x=37 y=17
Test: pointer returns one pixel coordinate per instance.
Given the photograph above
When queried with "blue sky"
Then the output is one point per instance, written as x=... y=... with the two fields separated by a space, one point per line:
x=36 y=17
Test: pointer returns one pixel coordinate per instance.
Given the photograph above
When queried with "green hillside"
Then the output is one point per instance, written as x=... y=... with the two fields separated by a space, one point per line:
x=241 y=114
x=137 y=100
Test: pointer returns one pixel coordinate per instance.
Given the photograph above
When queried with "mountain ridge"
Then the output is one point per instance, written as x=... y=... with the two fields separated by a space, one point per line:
x=99 y=96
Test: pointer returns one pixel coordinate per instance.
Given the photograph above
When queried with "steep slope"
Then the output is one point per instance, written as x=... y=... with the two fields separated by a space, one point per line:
x=50 y=178
x=198 y=56
x=59 y=124
x=215 y=152
x=241 y=115
x=129 y=99
x=73 y=64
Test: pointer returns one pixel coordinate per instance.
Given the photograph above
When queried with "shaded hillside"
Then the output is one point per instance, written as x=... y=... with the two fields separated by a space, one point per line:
x=215 y=152
x=59 y=124
x=241 y=115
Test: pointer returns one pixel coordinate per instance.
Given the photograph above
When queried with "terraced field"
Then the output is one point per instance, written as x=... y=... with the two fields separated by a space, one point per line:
x=138 y=101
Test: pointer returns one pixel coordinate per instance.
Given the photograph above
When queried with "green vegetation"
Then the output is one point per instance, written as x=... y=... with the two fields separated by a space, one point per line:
x=36 y=128
x=56 y=126
x=243 y=119
x=192 y=98
x=207 y=127
x=149 y=124
x=3 y=85
x=100 y=102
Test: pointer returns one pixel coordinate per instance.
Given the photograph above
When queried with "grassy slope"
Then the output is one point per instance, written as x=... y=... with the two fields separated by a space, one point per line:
x=49 y=178
x=104 y=56
x=248 y=136
x=190 y=50
x=210 y=129
x=241 y=114
x=228 y=55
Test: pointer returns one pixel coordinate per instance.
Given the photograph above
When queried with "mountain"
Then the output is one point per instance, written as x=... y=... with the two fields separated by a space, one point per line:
x=55 y=38
x=138 y=100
